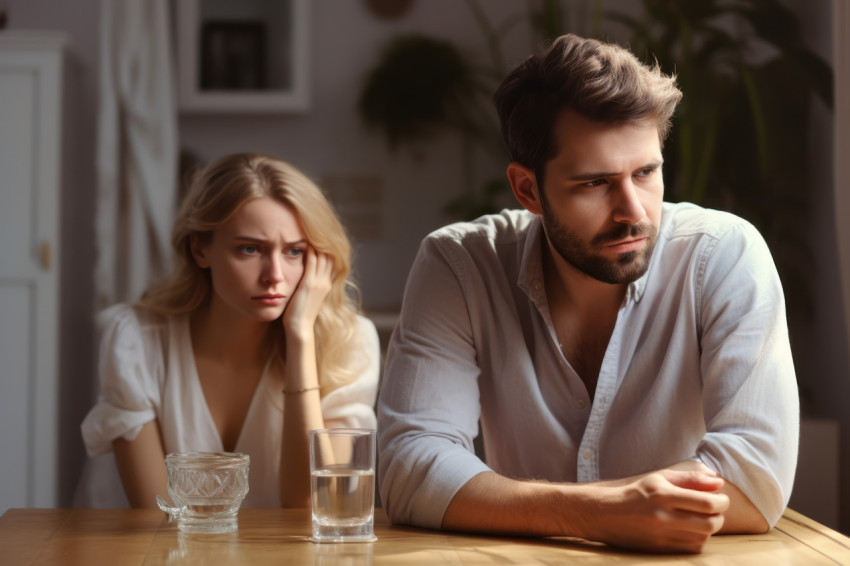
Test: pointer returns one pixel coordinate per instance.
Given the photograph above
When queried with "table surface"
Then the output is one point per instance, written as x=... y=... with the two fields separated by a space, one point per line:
x=280 y=536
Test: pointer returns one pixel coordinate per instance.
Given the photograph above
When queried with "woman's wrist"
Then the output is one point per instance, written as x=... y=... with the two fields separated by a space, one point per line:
x=299 y=336
x=300 y=390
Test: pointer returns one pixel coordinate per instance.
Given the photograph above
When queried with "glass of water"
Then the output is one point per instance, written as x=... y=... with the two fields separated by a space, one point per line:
x=342 y=484
x=207 y=489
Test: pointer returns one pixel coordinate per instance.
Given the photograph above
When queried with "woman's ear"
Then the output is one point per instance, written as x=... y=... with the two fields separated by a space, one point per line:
x=198 y=248
x=524 y=186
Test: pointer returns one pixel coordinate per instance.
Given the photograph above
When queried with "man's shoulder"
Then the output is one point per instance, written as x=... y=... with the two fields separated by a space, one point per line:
x=504 y=228
x=686 y=220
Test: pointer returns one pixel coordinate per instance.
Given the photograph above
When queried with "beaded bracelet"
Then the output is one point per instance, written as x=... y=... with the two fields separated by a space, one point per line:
x=304 y=390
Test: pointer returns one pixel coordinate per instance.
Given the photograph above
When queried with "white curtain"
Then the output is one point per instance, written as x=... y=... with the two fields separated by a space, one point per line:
x=841 y=74
x=136 y=148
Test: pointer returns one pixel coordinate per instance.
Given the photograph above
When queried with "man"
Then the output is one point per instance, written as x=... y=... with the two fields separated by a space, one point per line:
x=628 y=358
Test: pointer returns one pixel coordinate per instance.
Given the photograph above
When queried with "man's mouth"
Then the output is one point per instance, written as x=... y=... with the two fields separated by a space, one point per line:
x=629 y=245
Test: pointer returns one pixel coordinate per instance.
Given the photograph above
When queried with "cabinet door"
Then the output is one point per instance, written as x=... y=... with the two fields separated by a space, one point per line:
x=29 y=143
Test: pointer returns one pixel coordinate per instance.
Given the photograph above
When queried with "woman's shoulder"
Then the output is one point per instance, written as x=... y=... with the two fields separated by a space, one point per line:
x=365 y=325
x=124 y=321
x=367 y=336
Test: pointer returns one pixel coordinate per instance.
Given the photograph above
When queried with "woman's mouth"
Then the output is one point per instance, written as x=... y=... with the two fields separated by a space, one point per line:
x=269 y=299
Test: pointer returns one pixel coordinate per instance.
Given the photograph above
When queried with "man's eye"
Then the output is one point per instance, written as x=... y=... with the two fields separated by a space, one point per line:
x=595 y=183
x=646 y=172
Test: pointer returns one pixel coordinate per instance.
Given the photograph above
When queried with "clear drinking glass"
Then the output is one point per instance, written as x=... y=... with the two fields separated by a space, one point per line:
x=342 y=484
x=207 y=489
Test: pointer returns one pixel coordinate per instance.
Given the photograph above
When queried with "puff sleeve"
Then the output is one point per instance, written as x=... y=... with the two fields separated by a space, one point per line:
x=131 y=359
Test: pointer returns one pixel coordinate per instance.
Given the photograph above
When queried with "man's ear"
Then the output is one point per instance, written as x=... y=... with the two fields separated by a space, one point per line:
x=199 y=251
x=524 y=185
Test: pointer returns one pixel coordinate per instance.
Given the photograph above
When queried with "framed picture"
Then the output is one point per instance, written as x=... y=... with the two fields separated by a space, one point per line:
x=242 y=57
x=233 y=56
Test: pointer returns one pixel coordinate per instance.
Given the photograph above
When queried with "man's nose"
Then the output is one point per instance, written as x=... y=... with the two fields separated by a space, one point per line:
x=628 y=208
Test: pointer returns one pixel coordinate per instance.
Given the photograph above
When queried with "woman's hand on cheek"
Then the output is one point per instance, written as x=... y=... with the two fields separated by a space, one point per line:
x=299 y=317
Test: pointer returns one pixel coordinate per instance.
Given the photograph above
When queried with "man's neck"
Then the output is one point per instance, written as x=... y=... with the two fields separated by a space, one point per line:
x=584 y=313
x=572 y=289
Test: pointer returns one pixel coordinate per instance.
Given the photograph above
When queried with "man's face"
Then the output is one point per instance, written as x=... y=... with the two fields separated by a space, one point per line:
x=601 y=204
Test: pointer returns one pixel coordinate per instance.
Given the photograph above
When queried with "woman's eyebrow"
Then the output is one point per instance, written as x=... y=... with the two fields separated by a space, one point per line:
x=254 y=239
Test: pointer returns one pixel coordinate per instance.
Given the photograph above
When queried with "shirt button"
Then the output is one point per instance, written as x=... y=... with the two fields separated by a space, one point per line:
x=580 y=403
x=587 y=454
x=535 y=284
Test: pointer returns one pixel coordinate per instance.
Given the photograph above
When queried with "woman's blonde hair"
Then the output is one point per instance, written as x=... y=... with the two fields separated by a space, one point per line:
x=214 y=197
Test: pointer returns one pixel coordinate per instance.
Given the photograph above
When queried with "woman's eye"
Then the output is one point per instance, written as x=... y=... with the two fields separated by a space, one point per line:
x=294 y=252
x=247 y=250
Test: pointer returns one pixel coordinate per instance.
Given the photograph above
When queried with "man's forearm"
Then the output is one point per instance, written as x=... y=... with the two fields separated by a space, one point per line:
x=664 y=511
x=495 y=504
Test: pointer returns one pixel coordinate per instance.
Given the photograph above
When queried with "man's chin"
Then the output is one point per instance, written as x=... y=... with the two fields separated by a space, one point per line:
x=627 y=268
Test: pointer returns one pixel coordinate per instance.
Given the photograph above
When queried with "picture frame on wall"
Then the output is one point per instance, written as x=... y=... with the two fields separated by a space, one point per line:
x=233 y=56
x=242 y=57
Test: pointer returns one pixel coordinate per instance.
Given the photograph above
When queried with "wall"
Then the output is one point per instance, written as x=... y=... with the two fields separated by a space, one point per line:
x=330 y=141
x=820 y=352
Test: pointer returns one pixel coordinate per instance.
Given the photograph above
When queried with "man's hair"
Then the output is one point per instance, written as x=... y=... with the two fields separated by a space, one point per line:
x=603 y=82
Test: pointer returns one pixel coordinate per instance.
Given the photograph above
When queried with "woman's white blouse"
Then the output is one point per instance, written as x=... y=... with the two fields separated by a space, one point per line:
x=147 y=372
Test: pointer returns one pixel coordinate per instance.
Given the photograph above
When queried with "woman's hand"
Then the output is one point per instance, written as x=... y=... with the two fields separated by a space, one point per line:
x=299 y=317
x=302 y=400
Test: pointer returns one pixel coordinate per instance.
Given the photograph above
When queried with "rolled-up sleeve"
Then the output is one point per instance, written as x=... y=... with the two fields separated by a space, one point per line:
x=750 y=397
x=128 y=389
x=428 y=408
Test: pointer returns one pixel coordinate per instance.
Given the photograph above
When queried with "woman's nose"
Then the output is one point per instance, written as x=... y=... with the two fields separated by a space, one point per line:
x=273 y=269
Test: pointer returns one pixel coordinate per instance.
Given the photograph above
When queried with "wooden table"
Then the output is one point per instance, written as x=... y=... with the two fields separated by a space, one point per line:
x=277 y=536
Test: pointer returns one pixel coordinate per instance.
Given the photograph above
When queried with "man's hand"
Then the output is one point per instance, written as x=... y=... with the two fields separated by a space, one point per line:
x=742 y=516
x=665 y=511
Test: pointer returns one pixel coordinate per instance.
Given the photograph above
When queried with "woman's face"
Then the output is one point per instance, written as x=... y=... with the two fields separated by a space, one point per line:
x=256 y=259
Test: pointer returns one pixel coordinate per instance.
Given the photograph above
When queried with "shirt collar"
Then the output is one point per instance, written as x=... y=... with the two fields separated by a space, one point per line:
x=530 y=277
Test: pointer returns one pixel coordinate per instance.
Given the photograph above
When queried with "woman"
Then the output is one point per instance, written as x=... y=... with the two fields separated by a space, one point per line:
x=253 y=342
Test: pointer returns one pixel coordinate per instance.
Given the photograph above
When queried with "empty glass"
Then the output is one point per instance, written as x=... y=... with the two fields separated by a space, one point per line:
x=207 y=489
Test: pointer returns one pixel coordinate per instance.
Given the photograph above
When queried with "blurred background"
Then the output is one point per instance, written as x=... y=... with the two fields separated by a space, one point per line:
x=386 y=104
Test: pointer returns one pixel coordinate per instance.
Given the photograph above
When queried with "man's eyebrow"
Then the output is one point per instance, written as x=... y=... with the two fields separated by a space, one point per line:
x=603 y=174
x=591 y=176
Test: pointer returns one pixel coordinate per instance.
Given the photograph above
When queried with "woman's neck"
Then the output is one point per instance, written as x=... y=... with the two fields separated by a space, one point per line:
x=234 y=340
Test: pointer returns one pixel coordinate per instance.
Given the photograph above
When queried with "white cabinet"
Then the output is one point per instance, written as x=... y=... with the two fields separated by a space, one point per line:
x=249 y=56
x=30 y=95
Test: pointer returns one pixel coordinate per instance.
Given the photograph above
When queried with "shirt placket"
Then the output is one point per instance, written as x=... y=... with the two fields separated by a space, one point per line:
x=587 y=461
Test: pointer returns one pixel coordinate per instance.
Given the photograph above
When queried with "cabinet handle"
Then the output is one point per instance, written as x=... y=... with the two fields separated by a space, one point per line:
x=45 y=254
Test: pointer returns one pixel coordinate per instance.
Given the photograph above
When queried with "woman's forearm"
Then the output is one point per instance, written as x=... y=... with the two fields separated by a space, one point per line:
x=302 y=412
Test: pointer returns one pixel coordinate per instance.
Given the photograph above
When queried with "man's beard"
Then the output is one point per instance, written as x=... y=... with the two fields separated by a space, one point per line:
x=627 y=267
